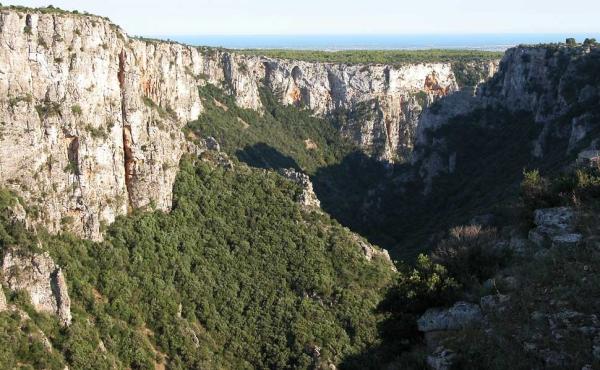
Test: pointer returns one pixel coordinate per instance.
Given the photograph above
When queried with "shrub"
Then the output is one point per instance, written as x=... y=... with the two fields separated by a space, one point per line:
x=395 y=57
x=416 y=289
x=534 y=191
x=48 y=109
x=470 y=253
x=76 y=110
x=71 y=167
x=578 y=185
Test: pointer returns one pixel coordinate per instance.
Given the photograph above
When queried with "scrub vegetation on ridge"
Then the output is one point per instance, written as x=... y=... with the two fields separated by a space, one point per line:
x=388 y=57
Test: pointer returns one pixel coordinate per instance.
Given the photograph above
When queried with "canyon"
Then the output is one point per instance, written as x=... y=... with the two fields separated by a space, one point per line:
x=92 y=120
x=204 y=206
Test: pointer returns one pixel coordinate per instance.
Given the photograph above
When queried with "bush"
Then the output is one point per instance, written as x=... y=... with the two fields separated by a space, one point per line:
x=470 y=254
x=416 y=289
x=535 y=191
x=76 y=110
x=578 y=185
x=236 y=276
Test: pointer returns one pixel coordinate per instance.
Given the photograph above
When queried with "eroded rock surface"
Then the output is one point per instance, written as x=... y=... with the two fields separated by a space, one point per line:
x=91 y=119
x=308 y=198
x=3 y=305
x=41 y=278
x=459 y=316
x=554 y=226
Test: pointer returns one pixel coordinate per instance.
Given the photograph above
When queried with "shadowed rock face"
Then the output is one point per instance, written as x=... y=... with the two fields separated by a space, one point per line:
x=91 y=123
x=554 y=226
x=41 y=278
x=461 y=315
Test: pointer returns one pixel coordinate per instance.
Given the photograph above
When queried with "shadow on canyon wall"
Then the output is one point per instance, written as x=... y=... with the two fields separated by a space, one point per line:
x=262 y=155
x=387 y=205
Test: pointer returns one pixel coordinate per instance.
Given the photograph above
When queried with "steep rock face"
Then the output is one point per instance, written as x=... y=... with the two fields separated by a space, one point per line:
x=379 y=106
x=91 y=119
x=558 y=86
x=42 y=279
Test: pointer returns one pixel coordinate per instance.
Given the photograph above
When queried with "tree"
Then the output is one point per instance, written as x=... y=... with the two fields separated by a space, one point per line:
x=571 y=41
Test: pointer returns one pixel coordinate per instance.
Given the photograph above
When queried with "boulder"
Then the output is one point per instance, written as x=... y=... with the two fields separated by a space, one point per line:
x=441 y=359
x=559 y=218
x=590 y=158
x=552 y=223
x=566 y=240
x=494 y=303
x=461 y=315
x=38 y=275
x=212 y=144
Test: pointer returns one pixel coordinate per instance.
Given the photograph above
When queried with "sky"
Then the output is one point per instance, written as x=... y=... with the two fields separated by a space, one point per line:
x=306 y=17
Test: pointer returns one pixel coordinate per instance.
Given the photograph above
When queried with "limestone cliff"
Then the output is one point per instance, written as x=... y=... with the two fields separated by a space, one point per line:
x=556 y=85
x=41 y=278
x=91 y=119
x=378 y=106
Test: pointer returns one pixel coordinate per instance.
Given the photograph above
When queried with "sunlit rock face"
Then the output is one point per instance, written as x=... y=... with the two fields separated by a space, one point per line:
x=91 y=119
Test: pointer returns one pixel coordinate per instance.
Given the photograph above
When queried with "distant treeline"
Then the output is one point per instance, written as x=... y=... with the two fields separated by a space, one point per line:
x=394 y=57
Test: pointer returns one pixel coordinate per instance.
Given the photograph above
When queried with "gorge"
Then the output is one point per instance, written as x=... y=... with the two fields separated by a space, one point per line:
x=212 y=208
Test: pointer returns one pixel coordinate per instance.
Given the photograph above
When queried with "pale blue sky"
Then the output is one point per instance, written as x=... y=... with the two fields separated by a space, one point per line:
x=204 y=17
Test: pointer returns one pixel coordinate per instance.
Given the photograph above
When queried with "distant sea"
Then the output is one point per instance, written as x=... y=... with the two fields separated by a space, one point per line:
x=493 y=42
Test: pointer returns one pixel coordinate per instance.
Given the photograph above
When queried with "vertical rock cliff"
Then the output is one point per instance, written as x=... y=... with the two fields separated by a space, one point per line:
x=91 y=119
x=556 y=86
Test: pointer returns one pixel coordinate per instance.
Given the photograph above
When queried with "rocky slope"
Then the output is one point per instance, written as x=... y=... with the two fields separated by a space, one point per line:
x=91 y=118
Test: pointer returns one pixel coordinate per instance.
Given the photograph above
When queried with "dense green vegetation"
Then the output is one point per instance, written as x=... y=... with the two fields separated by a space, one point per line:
x=490 y=159
x=491 y=146
x=390 y=57
x=282 y=136
x=236 y=276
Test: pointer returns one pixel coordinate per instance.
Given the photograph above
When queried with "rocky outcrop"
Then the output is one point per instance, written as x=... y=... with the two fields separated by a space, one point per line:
x=91 y=120
x=555 y=86
x=307 y=199
x=3 y=305
x=41 y=278
x=441 y=359
x=554 y=226
x=459 y=316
